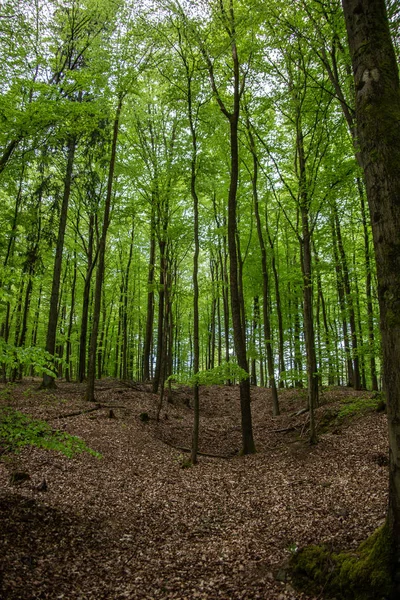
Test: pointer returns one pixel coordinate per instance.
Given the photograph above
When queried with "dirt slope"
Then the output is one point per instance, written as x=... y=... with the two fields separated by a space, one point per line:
x=137 y=525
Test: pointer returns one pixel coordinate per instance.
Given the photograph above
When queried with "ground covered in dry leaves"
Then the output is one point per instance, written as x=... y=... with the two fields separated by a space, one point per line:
x=137 y=525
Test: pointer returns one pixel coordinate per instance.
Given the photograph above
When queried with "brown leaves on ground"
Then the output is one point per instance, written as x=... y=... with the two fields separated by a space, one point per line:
x=136 y=525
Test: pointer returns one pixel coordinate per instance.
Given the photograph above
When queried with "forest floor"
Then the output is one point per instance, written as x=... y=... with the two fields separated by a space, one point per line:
x=135 y=524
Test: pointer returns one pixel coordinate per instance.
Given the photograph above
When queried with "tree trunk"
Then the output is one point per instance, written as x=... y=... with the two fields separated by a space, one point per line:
x=48 y=380
x=306 y=269
x=282 y=367
x=161 y=316
x=150 y=300
x=239 y=334
x=349 y=299
x=248 y=446
x=342 y=304
x=86 y=302
x=377 y=88
x=368 y=291
x=101 y=259
x=265 y=279
x=125 y=313
x=68 y=362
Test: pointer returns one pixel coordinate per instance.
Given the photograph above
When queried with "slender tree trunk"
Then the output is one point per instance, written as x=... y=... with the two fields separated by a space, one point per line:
x=256 y=322
x=196 y=319
x=101 y=351
x=150 y=300
x=239 y=336
x=101 y=259
x=368 y=290
x=86 y=302
x=161 y=316
x=282 y=367
x=377 y=88
x=328 y=348
x=306 y=268
x=36 y=325
x=125 y=313
x=298 y=354
x=342 y=304
x=349 y=300
x=265 y=279
x=68 y=362
x=48 y=380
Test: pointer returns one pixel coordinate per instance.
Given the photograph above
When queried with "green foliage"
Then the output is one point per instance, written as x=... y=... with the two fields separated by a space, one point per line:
x=14 y=357
x=184 y=461
x=365 y=574
x=219 y=375
x=18 y=430
x=359 y=406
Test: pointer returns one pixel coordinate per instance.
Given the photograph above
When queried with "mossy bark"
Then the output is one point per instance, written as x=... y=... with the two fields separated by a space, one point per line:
x=365 y=574
x=376 y=78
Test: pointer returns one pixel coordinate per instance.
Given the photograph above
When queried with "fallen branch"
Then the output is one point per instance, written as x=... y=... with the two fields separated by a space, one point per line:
x=306 y=422
x=300 y=412
x=208 y=454
x=78 y=412
x=284 y=430
x=86 y=411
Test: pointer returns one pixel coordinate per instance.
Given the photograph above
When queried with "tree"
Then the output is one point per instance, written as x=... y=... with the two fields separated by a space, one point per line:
x=102 y=252
x=377 y=92
x=227 y=15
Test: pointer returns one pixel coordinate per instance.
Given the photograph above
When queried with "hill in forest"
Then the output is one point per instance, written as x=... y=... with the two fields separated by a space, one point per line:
x=136 y=524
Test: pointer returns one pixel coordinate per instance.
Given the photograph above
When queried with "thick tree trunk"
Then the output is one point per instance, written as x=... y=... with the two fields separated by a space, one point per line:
x=377 y=89
x=239 y=335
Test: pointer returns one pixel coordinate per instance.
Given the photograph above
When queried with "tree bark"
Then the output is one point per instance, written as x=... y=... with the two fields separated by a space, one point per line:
x=86 y=301
x=239 y=334
x=368 y=291
x=101 y=258
x=376 y=79
x=349 y=299
x=48 y=380
x=306 y=269
x=150 y=299
x=265 y=279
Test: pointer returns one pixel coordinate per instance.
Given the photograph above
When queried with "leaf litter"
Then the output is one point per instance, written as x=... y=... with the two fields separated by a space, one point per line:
x=137 y=525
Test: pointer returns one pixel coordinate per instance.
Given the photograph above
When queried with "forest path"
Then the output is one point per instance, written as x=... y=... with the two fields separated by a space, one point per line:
x=137 y=525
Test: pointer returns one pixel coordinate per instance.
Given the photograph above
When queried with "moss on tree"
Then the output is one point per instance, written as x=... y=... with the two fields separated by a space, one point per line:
x=365 y=574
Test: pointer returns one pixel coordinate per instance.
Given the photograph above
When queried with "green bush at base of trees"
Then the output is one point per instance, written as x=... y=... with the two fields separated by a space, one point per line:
x=365 y=574
x=18 y=430
x=359 y=406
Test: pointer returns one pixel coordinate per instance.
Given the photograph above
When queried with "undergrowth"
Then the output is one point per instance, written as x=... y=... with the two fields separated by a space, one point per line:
x=365 y=574
x=18 y=430
x=360 y=405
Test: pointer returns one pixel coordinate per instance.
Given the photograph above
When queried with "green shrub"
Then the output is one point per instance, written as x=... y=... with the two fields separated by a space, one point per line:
x=359 y=406
x=18 y=430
